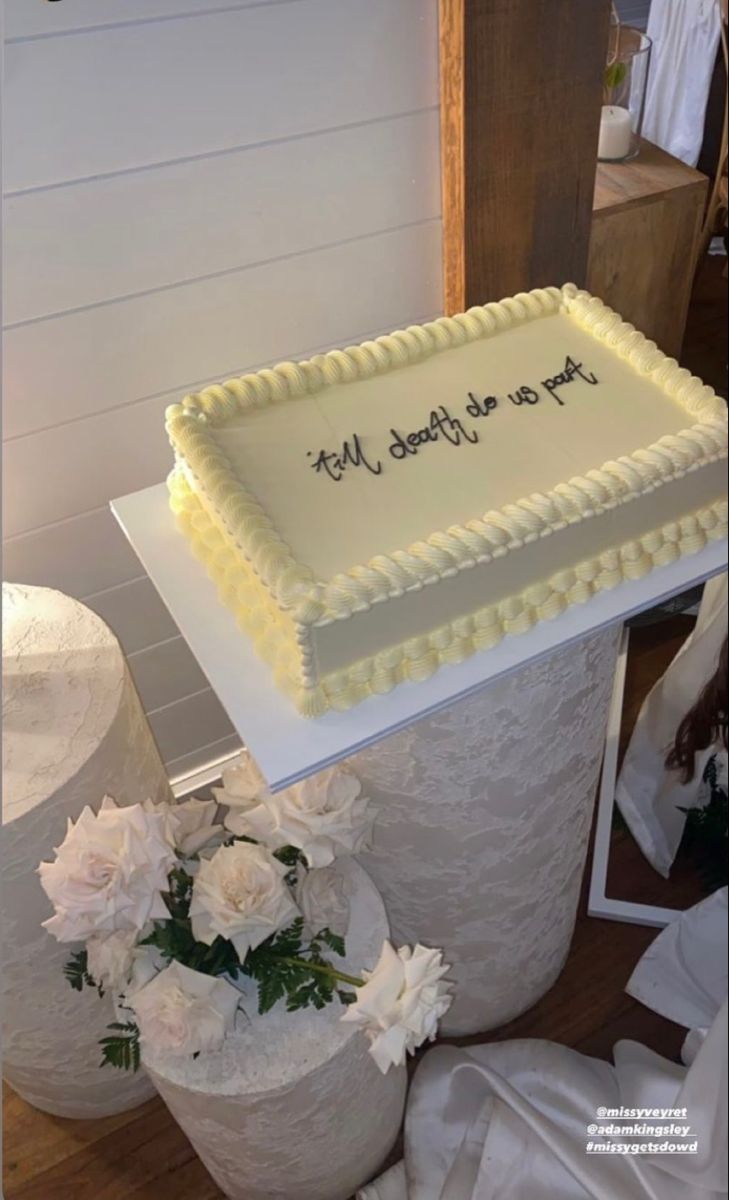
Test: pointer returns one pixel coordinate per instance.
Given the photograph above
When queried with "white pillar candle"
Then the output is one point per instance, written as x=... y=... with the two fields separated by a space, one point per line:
x=616 y=134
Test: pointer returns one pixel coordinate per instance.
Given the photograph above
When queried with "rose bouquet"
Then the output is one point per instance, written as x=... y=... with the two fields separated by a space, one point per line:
x=183 y=908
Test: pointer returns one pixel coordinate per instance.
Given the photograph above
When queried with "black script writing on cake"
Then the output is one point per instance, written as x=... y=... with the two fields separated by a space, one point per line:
x=524 y=395
x=481 y=408
x=352 y=454
x=572 y=371
x=440 y=425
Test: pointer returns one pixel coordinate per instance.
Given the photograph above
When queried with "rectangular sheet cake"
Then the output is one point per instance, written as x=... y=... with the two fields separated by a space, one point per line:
x=379 y=511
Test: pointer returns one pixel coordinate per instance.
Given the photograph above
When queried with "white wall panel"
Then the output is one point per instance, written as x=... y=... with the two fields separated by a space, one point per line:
x=193 y=721
x=83 y=464
x=185 y=221
x=136 y=613
x=36 y=18
x=164 y=673
x=80 y=556
x=149 y=93
x=74 y=365
x=196 y=188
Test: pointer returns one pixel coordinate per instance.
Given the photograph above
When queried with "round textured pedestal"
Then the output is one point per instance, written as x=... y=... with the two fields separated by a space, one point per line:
x=293 y=1106
x=483 y=820
x=74 y=730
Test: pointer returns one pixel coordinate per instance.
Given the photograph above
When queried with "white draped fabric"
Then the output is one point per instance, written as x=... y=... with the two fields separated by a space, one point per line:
x=685 y=37
x=684 y=975
x=649 y=796
x=510 y=1121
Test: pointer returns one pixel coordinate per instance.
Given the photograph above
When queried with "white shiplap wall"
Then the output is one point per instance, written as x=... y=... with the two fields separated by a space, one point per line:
x=194 y=188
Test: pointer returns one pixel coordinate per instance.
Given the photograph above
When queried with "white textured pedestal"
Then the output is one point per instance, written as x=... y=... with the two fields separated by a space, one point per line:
x=293 y=1106
x=73 y=729
x=483 y=821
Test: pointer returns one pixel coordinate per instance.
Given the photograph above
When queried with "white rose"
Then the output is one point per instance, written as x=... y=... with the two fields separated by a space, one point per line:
x=322 y=897
x=109 y=872
x=110 y=957
x=324 y=816
x=189 y=825
x=184 y=1012
x=401 y=1002
x=240 y=894
x=147 y=962
x=243 y=783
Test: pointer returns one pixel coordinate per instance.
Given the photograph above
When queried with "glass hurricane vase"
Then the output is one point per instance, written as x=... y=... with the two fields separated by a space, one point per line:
x=624 y=93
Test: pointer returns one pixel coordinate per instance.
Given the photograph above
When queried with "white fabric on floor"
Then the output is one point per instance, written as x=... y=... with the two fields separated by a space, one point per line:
x=685 y=37
x=648 y=795
x=683 y=976
x=511 y=1121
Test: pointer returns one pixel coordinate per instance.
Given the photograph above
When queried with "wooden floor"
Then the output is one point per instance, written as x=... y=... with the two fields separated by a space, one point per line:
x=142 y=1155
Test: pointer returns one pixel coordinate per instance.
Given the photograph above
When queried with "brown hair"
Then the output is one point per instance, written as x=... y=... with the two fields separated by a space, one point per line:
x=706 y=723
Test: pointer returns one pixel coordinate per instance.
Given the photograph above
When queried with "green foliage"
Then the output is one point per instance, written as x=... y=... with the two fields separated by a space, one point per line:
x=706 y=838
x=76 y=972
x=174 y=938
x=121 y=1049
x=615 y=76
x=291 y=857
x=180 y=894
x=333 y=941
x=175 y=942
x=269 y=965
x=285 y=969
x=281 y=966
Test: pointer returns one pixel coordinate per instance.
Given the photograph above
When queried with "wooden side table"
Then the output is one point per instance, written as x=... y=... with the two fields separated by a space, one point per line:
x=646 y=232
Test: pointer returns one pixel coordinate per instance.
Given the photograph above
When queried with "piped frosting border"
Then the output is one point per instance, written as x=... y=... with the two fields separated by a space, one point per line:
x=416 y=659
x=459 y=547
x=308 y=602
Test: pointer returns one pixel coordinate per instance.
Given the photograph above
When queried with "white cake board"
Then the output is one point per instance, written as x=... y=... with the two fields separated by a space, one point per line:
x=288 y=747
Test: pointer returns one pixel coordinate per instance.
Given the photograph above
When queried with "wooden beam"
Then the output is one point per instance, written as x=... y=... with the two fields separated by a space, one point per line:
x=521 y=87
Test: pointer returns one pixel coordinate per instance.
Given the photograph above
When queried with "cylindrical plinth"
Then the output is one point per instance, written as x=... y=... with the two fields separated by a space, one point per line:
x=483 y=821
x=293 y=1105
x=74 y=730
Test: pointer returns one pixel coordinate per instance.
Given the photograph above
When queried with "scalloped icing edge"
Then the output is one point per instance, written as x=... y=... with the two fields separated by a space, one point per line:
x=419 y=658
x=278 y=601
x=285 y=646
x=282 y=646
x=277 y=639
x=312 y=602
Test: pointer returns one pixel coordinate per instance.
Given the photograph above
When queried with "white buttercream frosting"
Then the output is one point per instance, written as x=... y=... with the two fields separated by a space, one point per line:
x=278 y=596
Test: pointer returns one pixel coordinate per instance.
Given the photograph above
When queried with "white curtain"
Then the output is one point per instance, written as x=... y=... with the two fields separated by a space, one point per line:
x=685 y=37
x=650 y=797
